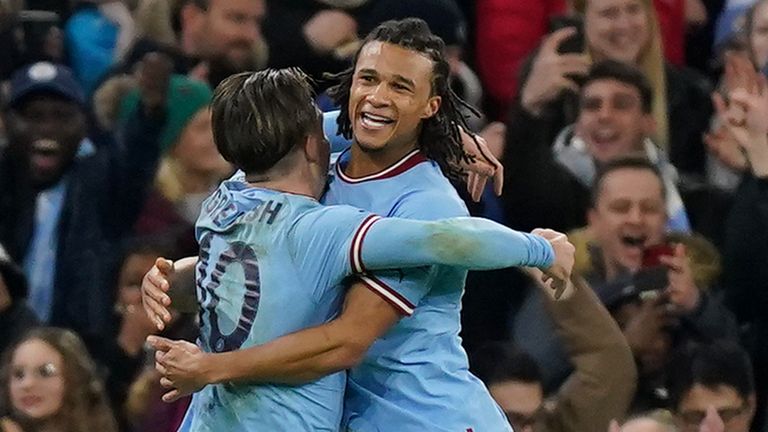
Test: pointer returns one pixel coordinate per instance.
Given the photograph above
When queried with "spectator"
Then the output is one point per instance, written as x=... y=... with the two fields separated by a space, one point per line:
x=211 y=38
x=746 y=245
x=49 y=383
x=717 y=375
x=549 y=185
x=625 y=31
x=319 y=36
x=97 y=35
x=600 y=388
x=507 y=32
x=190 y=166
x=15 y=316
x=126 y=357
x=627 y=218
x=65 y=203
x=655 y=421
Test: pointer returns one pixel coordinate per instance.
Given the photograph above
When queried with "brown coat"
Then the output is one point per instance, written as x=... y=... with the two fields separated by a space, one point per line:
x=604 y=380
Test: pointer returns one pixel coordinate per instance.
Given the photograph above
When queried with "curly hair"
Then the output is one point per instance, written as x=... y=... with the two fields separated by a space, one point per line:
x=85 y=405
x=439 y=138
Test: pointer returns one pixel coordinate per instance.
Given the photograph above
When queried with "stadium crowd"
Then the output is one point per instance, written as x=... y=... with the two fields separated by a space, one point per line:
x=617 y=121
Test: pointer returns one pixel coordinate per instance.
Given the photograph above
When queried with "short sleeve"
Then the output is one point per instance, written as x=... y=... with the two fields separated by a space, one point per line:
x=404 y=289
x=322 y=242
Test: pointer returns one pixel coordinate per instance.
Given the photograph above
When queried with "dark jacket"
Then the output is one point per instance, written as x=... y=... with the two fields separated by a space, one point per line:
x=537 y=193
x=103 y=194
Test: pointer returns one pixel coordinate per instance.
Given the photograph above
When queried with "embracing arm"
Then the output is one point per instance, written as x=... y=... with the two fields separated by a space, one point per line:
x=295 y=358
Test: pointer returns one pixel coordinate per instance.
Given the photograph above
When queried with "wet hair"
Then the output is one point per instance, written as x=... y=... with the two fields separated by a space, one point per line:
x=623 y=73
x=439 y=138
x=630 y=162
x=498 y=362
x=258 y=118
x=722 y=363
x=85 y=405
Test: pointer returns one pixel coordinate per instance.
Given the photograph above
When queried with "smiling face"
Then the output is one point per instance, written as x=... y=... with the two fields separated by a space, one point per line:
x=44 y=133
x=629 y=215
x=36 y=381
x=617 y=29
x=758 y=36
x=611 y=119
x=391 y=94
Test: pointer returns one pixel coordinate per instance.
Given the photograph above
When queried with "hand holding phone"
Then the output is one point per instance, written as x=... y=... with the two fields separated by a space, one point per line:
x=554 y=71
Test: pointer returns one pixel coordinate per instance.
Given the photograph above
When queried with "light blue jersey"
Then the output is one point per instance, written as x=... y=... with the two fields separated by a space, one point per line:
x=416 y=377
x=273 y=263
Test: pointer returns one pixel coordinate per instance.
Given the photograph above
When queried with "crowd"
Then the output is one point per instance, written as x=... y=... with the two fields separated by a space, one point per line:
x=633 y=125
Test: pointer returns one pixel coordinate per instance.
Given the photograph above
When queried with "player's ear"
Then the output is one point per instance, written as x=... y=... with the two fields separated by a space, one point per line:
x=433 y=106
x=313 y=148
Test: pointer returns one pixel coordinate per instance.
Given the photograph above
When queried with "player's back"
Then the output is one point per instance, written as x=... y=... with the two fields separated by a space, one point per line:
x=416 y=376
x=265 y=270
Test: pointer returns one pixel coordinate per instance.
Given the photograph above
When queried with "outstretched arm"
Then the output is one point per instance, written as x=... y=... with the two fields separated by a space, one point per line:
x=296 y=358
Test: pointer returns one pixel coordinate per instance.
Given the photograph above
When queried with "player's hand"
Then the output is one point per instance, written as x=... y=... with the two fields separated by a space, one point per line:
x=565 y=253
x=551 y=72
x=183 y=366
x=484 y=166
x=154 y=292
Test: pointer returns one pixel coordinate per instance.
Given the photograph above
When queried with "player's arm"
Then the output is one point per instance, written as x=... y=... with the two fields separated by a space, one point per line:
x=467 y=242
x=156 y=292
x=296 y=358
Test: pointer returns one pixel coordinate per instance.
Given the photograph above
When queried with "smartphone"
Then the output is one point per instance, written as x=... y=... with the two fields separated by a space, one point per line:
x=36 y=25
x=652 y=278
x=574 y=44
x=652 y=255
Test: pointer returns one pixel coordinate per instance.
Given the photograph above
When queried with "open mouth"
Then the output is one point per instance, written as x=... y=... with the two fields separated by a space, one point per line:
x=637 y=241
x=373 y=121
x=45 y=154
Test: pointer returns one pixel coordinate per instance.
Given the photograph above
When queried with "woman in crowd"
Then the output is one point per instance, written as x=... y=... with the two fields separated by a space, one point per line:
x=49 y=383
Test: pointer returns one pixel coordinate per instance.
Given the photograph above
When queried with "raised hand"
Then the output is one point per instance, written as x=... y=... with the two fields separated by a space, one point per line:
x=551 y=72
x=154 y=75
x=682 y=290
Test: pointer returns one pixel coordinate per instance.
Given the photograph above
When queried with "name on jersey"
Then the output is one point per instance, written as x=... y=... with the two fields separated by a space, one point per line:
x=228 y=213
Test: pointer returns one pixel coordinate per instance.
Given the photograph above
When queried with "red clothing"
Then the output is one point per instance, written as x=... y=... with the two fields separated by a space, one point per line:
x=507 y=32
x=672 y=24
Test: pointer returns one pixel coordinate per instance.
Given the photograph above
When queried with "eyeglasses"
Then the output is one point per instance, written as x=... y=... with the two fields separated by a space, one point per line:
x=693 y=418
x=45 y=371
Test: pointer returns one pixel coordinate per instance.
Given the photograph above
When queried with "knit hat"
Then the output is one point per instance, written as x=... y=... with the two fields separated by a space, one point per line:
x=185 y=98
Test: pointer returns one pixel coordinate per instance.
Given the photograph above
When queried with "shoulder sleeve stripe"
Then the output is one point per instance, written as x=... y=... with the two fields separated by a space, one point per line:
x=388 y=294
x=356 y=249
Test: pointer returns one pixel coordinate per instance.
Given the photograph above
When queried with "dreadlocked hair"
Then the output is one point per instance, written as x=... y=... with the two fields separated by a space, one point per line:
x=440 y=138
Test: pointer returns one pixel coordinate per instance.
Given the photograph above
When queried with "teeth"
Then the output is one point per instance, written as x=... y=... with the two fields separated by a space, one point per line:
x=45 y=145
x=376 y=118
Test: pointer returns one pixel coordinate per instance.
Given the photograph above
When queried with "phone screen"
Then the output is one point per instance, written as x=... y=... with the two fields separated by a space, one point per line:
x=574 y=44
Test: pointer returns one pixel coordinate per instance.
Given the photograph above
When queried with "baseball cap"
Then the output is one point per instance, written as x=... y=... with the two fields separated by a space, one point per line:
x=44 y=77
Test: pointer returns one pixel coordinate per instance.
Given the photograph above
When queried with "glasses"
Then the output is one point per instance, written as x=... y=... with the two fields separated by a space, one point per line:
x=692 y=419
x=45 y=371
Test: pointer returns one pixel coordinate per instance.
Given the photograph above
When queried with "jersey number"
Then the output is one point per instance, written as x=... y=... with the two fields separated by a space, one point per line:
x=237 y=253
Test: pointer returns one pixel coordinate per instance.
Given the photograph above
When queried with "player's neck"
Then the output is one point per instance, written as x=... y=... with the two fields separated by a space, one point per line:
x=283 y=185
x=365 y=162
